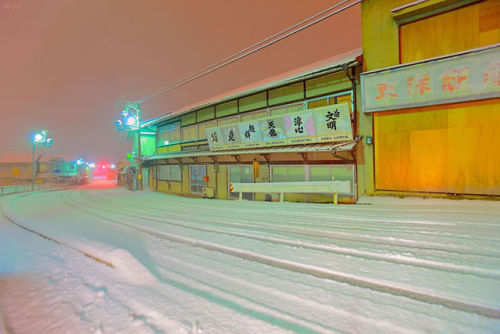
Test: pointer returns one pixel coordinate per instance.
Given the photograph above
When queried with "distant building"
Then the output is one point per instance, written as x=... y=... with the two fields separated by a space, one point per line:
x=16 y=168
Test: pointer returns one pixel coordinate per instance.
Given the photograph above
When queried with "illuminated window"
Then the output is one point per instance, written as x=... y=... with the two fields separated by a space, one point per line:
x=168 y=134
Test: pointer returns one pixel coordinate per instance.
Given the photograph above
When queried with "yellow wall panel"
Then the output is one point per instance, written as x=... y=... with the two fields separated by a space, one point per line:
x=461 y=29
x=451 y=149
x=222 y=182
x=185 y=179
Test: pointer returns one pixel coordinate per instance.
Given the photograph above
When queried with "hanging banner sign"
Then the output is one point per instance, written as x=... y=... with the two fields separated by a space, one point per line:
x=325 y=124
x=470 y=76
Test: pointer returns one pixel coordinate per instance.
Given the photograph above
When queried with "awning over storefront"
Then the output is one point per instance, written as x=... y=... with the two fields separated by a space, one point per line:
x=335 y=147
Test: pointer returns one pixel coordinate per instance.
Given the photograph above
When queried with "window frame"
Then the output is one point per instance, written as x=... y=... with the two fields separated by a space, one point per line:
x=169 y=177
x=197 y=184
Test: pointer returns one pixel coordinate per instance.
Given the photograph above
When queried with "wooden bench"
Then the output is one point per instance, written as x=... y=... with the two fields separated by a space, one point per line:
x=335 y=187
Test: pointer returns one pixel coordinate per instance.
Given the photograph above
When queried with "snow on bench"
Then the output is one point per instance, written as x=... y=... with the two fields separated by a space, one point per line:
x=335 y=187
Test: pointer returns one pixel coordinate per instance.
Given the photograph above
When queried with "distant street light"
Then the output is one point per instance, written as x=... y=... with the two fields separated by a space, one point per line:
x=38 y=138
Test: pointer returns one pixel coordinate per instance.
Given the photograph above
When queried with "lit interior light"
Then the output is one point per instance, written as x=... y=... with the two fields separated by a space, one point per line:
x=113 y=166
x=165 y=142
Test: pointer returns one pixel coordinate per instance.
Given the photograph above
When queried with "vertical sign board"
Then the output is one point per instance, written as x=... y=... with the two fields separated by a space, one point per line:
x=470 y=76
x=325 y=124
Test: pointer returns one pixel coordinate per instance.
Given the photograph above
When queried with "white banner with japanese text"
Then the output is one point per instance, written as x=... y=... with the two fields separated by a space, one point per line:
x=325 y=124
x=470 y=76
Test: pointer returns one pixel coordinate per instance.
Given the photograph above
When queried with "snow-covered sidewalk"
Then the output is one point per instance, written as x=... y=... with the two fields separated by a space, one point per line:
x=119 y=261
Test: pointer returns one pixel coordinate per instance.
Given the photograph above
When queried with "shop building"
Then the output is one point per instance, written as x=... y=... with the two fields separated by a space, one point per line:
x=431 y=93
x=297 y=127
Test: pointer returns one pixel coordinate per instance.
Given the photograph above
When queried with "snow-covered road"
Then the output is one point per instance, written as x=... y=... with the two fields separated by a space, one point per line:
x=159 y=263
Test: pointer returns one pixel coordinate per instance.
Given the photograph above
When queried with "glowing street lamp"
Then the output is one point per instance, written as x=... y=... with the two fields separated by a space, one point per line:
x=38 y=138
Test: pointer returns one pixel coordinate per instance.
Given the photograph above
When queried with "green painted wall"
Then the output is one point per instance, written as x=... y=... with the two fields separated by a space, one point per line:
x=148 y=144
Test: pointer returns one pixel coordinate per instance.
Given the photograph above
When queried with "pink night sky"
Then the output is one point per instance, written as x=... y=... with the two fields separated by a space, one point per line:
x=65 y=62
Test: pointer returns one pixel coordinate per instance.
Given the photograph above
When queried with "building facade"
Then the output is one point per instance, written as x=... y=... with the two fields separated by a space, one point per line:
x=431 y=91
x=296 y=127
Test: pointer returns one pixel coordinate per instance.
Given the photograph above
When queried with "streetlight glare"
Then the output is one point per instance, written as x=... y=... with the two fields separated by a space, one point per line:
x=131 y=121
x=38 y=137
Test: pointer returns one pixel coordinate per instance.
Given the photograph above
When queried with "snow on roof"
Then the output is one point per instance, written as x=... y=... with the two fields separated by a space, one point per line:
x=276 y=80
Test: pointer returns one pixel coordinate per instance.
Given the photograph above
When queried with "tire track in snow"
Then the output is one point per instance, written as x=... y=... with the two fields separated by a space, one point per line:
x=445 y=247
x=243 y=285
x=258 y=312
x=352 y=215
x=377 y=240
x=372 y=284
x=397 y=259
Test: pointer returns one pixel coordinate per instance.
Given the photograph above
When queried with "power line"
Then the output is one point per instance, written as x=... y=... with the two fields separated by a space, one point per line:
x=256 y=47
x=262 y=41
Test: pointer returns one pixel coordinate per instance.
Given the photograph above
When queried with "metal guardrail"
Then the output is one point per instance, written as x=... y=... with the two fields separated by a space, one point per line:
x=335 y=187
x=22 y=188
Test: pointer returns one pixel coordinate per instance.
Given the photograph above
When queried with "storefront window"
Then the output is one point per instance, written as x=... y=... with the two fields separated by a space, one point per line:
x=196 y=175
x=169 y=173
x=332 y=173
x=288 y=173
x=240 y=174
x=300 y=173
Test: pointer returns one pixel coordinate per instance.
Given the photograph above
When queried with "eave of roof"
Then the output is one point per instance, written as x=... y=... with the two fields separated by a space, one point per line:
x=321 y=67
x=336 y=147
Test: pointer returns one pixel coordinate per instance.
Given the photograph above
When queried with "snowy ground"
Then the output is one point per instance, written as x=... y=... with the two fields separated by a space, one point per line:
x=122 y=262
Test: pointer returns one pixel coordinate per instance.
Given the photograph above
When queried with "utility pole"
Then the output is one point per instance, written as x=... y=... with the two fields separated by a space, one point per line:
x=38 y=138
x=139 y=159
x=131 y=120
x=33 y=169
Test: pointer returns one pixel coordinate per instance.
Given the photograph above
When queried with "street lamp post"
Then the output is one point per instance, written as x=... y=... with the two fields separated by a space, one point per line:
x=131 y=120
x=38 y=138
x=139 y=156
